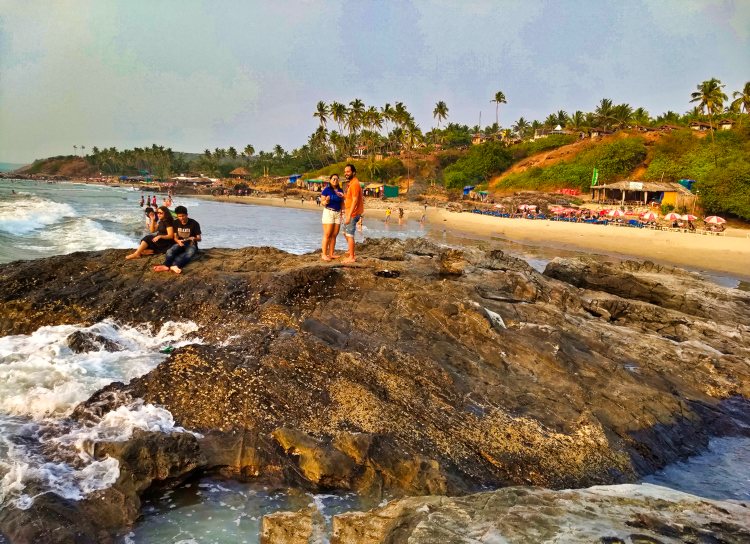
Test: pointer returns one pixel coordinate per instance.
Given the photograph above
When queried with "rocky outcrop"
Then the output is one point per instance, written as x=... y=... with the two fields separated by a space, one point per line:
x=419 y=370
x=625 y=514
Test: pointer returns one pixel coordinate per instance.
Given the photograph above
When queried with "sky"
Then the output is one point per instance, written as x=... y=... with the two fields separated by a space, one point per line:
x=191 y=74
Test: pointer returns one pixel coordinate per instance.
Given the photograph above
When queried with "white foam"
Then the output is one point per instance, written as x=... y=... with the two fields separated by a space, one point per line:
x=42 y=380
x=21 y=216
x=85 y=234
x=40 y=376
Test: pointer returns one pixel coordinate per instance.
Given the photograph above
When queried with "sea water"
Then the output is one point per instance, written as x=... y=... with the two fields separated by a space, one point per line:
x=42 y=380
x=44 y=219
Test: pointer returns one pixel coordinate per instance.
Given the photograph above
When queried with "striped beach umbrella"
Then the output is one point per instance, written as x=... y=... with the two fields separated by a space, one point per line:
x=714 y=220
x=650 y=216
x=688 y=217
x=671 y=216
x=616 y=213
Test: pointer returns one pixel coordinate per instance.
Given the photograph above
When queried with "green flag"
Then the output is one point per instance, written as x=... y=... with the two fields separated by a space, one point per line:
x=595 y=177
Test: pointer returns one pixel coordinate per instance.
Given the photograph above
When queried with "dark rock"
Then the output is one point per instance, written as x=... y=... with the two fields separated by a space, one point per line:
x=82 y=342
x=468 y=369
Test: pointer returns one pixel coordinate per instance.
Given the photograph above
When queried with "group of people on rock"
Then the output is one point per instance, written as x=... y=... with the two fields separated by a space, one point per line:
x=177 y=237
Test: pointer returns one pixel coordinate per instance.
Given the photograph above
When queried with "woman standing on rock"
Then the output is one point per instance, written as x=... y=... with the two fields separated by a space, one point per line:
x=331 y=197
x=159 y=242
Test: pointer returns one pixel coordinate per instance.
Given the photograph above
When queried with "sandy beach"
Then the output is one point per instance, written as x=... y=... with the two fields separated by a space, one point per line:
x=726 y=254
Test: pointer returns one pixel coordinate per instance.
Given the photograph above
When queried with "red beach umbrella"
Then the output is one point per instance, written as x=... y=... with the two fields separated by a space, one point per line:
x=616 y=213
x=671 y=216
x=688 y=217
x=714 y=220
x=650 y=216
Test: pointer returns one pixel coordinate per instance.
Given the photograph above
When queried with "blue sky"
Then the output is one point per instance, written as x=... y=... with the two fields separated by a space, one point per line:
x=191 y=75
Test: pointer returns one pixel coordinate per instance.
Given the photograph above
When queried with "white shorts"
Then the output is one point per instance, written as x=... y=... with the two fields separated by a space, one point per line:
x=331 y=217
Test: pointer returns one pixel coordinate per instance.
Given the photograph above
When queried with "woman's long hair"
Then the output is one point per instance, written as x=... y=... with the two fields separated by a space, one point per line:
x=167 y=216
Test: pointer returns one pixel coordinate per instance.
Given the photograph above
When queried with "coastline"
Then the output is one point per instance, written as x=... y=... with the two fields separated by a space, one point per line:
x=727 y=254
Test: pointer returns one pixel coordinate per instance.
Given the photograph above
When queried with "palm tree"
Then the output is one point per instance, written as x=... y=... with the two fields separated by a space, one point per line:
x=742 y=99
x=232 y=152
x=249 y=151
x=562 y=118
x=440 y=112
x=577 y=120
x=83 y=150
x=711 y=98
x=338 y=113
x=521 y=127
x=278 y=151
x=75 y=150
x=551 y=120
x=499 y=99
x=641 y=117
x=622 y=114
x=604 y=112
x=386 y=112
x=321 y=112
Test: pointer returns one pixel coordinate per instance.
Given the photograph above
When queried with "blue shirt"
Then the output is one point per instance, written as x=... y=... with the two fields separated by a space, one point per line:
x=336 y=200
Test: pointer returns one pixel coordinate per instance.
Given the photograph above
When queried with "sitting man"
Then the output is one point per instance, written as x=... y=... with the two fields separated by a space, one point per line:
x=187 y=236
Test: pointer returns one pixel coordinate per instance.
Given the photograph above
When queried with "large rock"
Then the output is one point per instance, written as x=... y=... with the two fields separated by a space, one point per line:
x=625 y=514
x=421 y=370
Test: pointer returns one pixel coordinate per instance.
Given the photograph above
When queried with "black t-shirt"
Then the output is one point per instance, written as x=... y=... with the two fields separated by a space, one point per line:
x=191 y=229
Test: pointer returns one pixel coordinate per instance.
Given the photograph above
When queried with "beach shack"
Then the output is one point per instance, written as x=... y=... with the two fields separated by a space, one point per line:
x=643 y=192
x=239 y=173
x=726 y=124
x=315 y=184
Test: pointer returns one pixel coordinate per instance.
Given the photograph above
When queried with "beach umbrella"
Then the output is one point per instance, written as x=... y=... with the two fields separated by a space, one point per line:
x=671 y=216
x=616 y=213
x=714 y=220
x=688 y=217
x=650 y=216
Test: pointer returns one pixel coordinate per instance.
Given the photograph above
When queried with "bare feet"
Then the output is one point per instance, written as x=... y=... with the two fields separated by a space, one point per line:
x=132 y=256
x=325 y=258
x=348 y=259
x=175 y=269
x=161 y=268
x=332 y=256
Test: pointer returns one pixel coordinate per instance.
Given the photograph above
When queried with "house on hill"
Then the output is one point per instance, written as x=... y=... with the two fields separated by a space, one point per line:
x=239 y=173
x=478 y=138
x=700 y=126
x=544 y=132
x=726 y=124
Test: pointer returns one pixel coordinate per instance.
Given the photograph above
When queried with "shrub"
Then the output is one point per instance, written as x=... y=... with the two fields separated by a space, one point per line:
x=480 y=163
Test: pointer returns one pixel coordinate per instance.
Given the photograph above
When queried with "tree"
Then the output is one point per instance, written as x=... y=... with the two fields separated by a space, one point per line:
x=499 y=99
x=440 y=112
x=232 y=152
x=641 y=117
x=562 y=118
x=83 y=150
x=338 y=113
x=249 y=151
x=521 y=127
x=741 y=99
x=622 y=115
x=577 y=120
x=278 y=151
x=710 y=98
x=604 y=112
x=321 y=112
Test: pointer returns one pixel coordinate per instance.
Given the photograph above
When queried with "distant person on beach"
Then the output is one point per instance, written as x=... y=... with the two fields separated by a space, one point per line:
x=141 y=204
x=150 y=219
x=159 y=242
x=387 y=215
x=355 y=207
x=332 y=197
x=400 y=215
x=168 y=201
x=153 y=201
x=187 y=236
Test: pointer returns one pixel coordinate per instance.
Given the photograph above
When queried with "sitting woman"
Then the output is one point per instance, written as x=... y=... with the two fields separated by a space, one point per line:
x=159 y=242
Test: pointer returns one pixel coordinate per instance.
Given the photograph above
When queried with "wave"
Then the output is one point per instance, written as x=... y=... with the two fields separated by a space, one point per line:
x=21 y=216
x=41 y=382
x=83 y=234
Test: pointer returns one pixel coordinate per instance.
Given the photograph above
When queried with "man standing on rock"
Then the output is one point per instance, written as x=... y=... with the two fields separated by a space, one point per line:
x=354 y=205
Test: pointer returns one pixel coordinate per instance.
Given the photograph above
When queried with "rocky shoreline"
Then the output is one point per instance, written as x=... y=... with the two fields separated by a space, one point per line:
x=421 y=370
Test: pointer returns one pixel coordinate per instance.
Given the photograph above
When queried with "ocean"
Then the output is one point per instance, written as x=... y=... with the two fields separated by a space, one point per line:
x=42 y=380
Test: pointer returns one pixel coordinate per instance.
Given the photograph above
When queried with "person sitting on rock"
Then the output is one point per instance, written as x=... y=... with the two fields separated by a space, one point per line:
x=187 y=236
x=159 y=242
